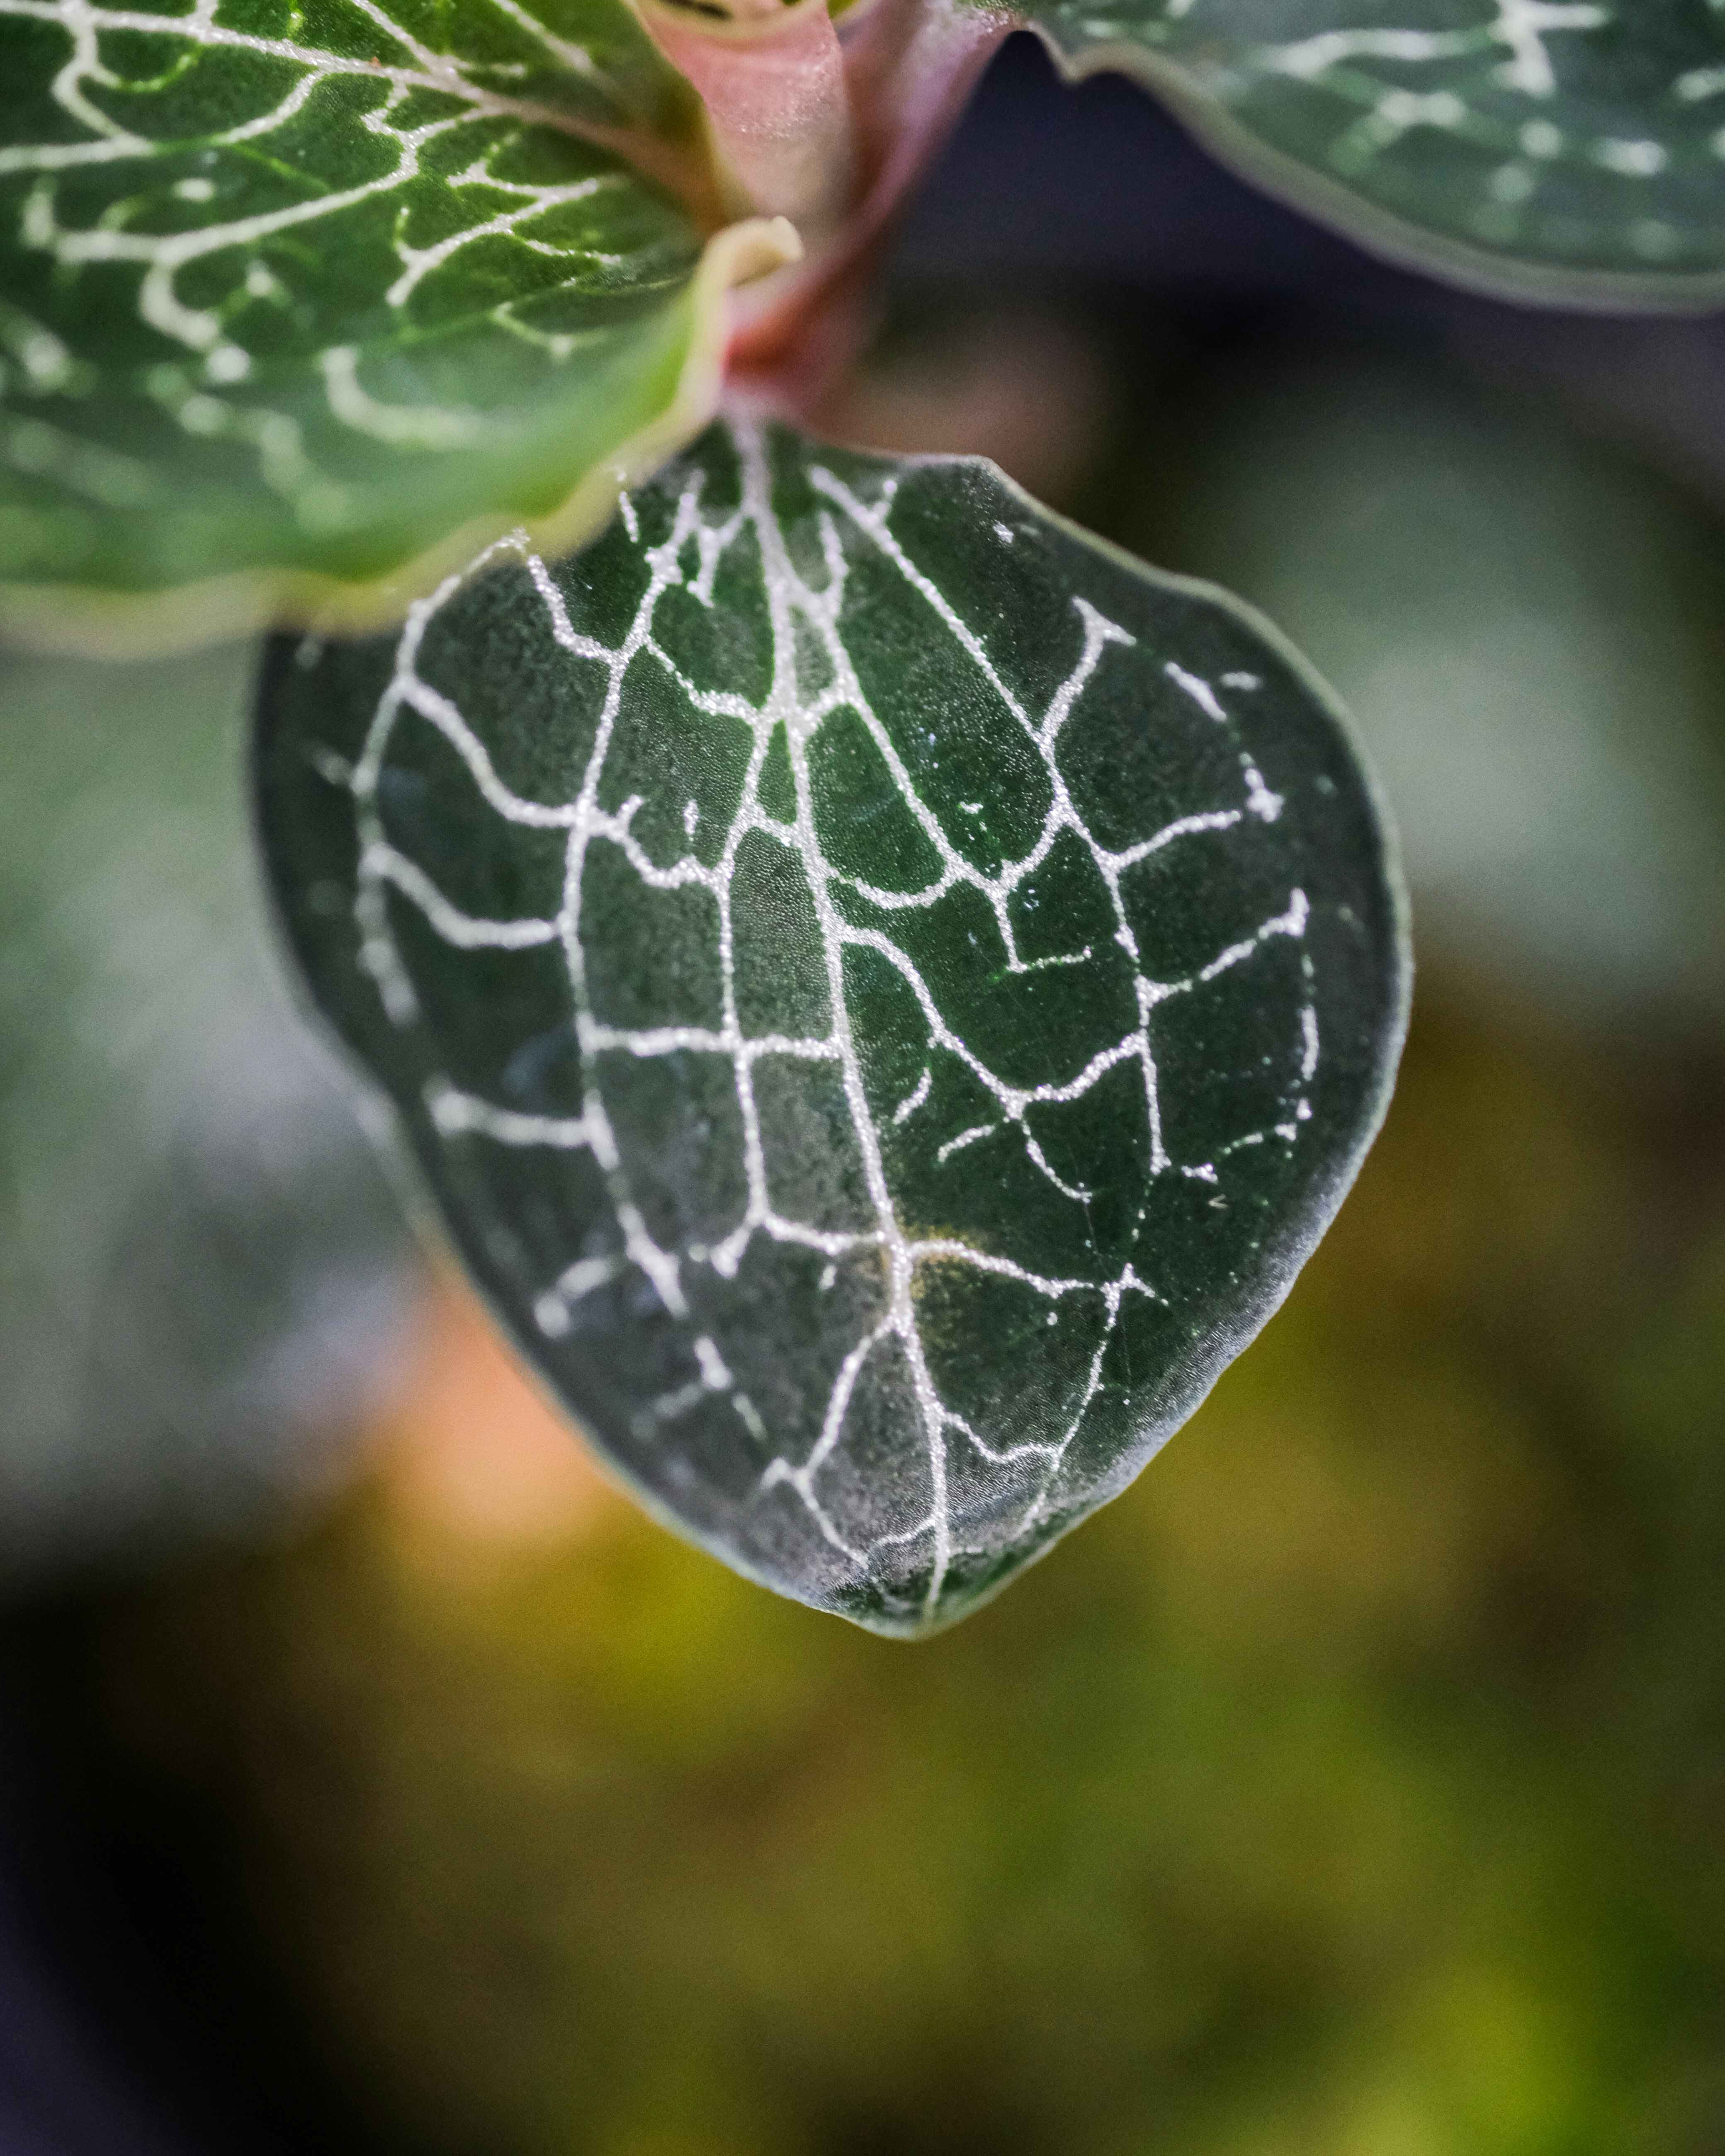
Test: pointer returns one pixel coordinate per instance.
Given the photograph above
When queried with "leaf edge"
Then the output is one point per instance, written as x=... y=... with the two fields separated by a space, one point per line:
x=93 y=622
x=1380 y=233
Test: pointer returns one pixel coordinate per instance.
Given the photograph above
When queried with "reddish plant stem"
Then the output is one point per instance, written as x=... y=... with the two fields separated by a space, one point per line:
x=774 y=85
x=830 y=125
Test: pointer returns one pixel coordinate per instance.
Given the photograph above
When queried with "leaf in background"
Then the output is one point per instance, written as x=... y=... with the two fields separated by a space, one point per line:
x=204 y=1282
x=1569 y=148
x=293 y=294
x=884 y=990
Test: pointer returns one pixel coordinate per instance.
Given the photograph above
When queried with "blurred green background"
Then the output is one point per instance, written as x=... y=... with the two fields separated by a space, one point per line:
x=1354 y=1786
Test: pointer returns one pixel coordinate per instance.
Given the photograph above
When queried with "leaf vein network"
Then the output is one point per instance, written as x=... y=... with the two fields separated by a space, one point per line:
x=848 y=523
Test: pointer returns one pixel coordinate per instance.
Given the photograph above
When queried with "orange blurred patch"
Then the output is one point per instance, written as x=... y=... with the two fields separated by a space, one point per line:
x=472 y=1452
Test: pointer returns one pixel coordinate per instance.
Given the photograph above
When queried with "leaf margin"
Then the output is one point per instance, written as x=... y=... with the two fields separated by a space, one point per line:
x=1336 y=206
x=94 y=622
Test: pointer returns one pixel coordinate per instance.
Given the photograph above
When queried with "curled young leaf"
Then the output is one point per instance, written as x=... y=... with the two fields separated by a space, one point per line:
x=298 y=308
x=884 y=990
x=1569 y=149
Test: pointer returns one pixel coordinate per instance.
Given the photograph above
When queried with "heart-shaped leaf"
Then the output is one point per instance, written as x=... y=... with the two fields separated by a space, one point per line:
x=1552 y=147
x=884 y=990
x=290 y=295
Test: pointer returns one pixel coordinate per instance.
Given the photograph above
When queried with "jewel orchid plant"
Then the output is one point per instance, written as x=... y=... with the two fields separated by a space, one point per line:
x=882 y=990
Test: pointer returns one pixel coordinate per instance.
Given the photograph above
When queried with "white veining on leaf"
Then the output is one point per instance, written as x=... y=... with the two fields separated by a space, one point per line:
x=850 y=526
x=132 y=226
x=1513 y=85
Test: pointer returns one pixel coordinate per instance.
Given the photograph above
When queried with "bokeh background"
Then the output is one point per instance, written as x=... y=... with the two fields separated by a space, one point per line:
x=373 y=1779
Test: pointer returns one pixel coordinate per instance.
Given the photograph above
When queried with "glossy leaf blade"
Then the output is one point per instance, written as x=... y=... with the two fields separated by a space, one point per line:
x=1563 y=148
x=294 y=294
x=883 y=991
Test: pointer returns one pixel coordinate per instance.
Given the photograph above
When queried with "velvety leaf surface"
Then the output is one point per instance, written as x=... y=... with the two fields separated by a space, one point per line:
x=884 y=990
x=1545 y=146
x=307 y=287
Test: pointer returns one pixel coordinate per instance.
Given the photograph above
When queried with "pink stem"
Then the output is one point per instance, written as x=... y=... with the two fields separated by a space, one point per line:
x=909 y=67
x=774 y=89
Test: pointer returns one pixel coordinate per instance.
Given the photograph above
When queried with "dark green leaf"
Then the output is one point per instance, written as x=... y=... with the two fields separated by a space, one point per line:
x=1568 y=147
x=884 y=990
x=290 y=293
